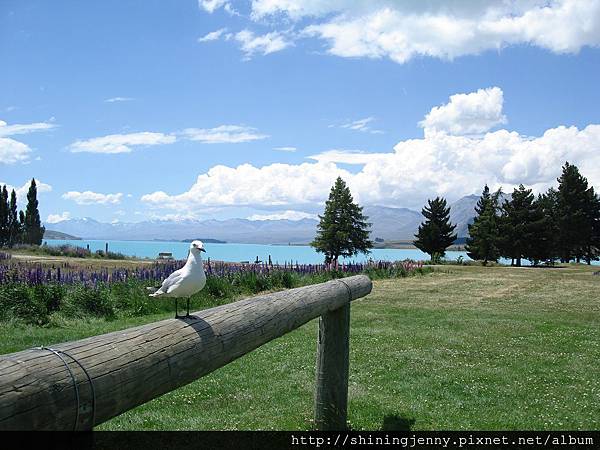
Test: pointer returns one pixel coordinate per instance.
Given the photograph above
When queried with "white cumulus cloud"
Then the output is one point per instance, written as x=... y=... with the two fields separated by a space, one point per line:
x=55 y=218
x=439 y=163
x=402 y=30
x=285 y=149
x=13 y=151
x=474 y=113
x=247 y=185
x=212 y=5
x=22 y=190
x=224 y=134
x=10 y=130
x=93 y=198
x=120 y=143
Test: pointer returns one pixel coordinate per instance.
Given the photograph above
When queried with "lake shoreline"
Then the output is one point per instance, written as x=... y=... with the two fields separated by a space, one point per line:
x=250 y=253
x=258 y=253
x=393 y=245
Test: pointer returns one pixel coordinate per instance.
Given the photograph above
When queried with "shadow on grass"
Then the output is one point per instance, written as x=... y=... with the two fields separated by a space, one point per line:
x=396 y=422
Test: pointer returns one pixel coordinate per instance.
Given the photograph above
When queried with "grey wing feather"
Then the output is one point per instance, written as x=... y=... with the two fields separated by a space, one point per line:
x=167 y=283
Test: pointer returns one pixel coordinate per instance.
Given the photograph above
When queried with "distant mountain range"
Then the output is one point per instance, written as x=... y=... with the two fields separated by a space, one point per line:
x=462 y=213
x=387 y=223
x=230 y=230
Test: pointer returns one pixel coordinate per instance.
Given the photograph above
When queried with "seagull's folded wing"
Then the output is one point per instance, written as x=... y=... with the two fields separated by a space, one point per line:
x=169 y=283
x=171 y=280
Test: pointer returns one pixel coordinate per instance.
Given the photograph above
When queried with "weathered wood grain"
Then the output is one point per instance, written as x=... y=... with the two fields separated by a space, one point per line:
x=331 y=386
x=133 y=366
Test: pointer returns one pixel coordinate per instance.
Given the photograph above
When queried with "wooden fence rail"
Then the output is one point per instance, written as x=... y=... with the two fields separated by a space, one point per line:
x=80 y=384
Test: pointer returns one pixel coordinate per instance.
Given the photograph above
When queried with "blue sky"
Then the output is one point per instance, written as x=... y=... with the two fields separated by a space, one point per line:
x=134 y=110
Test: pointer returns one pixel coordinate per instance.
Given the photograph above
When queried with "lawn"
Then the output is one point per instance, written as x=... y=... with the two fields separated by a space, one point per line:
x=462 y=348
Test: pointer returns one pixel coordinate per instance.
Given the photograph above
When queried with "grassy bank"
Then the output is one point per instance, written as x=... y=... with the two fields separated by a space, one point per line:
x=65 y=250
x=461 y=348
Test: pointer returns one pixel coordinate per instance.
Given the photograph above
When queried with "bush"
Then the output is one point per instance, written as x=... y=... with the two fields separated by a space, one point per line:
x=95 y=301
x=19 y=300
x=219 y=287
x=130 y=297
x=61 y=250
x=253 y=283
x=50 y=295
x=109 y=255
x=285 y=279
x=115 y=255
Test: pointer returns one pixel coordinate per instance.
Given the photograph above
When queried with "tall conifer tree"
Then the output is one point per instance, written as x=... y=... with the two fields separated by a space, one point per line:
x=343 y=229
x=548 y=242
x=436 y=233
x=14 y=229
x=482 y=243
x=3 y=216
x=520 y=226
x=539 y=245
x=575 y=227
x=34 y=231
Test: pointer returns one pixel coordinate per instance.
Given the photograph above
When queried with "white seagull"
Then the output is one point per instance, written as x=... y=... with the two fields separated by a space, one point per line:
x=185 y=282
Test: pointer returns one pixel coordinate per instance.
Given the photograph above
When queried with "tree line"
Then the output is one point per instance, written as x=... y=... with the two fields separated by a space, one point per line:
x=561 y=224
x=22 y=227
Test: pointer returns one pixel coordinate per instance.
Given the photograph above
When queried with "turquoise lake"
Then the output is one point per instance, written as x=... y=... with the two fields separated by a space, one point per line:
x=303 y=254
x=243 y=252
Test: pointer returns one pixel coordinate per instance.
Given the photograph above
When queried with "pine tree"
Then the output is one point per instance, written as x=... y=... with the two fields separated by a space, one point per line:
x=540 y=242
x=14 y=228
x=34 y=231
x=482 y=243
x=436 y=234
x=3 y=216
x=343 y=229
x=549 y=245
x=520 y=226
x=574 y=223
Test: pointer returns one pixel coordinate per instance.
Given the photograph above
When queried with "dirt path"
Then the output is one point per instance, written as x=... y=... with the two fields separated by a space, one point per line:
x=98 y=262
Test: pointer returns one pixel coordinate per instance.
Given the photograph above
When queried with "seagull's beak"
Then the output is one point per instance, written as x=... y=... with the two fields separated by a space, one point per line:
x=202 y=250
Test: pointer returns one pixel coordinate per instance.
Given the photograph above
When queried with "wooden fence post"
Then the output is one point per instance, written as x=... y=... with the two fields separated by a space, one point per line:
x=331 y=387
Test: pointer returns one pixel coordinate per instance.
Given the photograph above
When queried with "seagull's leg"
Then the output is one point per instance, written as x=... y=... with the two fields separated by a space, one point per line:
x=176 y=311
x=188 y=308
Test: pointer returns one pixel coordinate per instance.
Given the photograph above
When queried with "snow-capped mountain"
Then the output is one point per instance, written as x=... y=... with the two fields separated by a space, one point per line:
x=387 y=223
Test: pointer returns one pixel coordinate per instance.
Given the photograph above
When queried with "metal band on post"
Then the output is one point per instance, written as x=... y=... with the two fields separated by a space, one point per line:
x=347 y=288
x=59 y=353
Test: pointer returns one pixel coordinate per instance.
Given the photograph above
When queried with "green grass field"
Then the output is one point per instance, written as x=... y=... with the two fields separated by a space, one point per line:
x=462 y=348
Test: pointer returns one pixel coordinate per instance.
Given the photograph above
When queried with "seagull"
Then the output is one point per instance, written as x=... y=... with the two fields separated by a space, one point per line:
x=186 y=281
